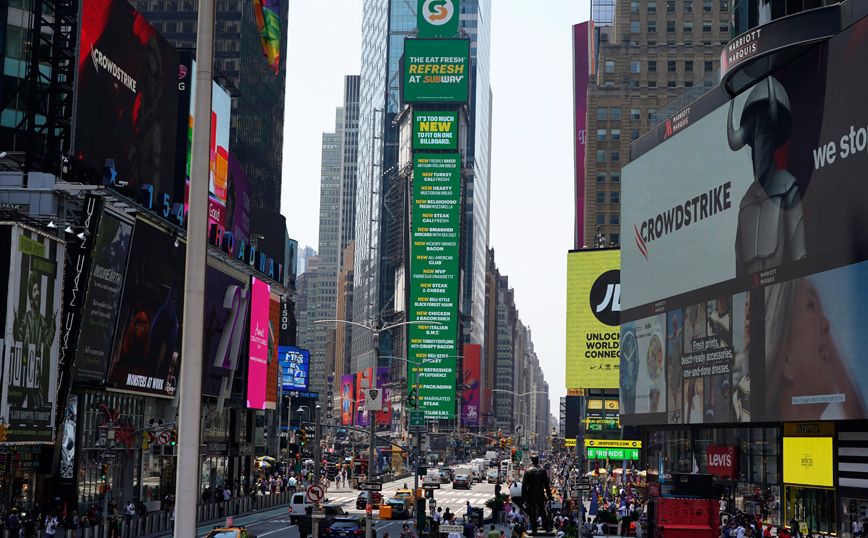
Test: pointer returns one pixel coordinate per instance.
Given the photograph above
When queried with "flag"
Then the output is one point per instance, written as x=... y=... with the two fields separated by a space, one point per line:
x=695 y=466
x=268 y=21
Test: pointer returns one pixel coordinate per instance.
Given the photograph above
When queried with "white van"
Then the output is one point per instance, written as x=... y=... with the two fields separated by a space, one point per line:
x=297 y=505
x=478 y=466
x=433 y=477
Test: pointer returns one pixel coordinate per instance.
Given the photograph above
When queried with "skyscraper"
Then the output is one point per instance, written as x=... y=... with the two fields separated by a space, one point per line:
x=385 y=25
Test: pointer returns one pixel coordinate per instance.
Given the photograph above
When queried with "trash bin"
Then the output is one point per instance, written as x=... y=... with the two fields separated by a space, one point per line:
x=385 y=511
x=476 y=516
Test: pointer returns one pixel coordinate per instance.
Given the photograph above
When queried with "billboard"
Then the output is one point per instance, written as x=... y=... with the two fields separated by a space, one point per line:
x=434 y=280
x=436 y=71
x=749 y=258
x=472 y=376
x=583 y=68
x=348 y=393
x=225 y=316
x=146 y=354
x=593 y=315
x=31 y=330
x=437 y=18
x=257 y=365
x=435 y=130
x=100 y=309
x=127 y=72
x=384 y=377
x=295 y=365
x=274 y=373
x=809 y=461
x=239 y=194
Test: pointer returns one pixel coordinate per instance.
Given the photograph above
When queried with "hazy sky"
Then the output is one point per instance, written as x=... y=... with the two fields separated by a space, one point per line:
x=532 y=135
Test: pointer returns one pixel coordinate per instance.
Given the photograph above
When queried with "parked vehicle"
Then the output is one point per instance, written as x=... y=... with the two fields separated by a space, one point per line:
x=230 y=532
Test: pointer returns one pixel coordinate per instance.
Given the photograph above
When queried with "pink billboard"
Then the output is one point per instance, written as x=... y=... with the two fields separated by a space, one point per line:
x=348 y=408
x=257 y=366
x=470 y=397
x=583 y=68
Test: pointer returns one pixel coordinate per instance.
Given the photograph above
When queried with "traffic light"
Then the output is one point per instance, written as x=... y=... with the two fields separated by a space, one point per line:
x=510 y=441
x=502 y=443
x=302 y=437
x=104 y=470
x=512 y=457
x=173 y=438
x=4 y=433
x=467 y=438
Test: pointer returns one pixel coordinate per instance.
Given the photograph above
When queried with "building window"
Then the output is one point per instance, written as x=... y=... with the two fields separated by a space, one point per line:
x=634 y=66
x=634 y=27
x=601 y=155
x=652 y=27
x=614 y=219
x=601 y=197
x=616 y=156
x=652 y=43
x=651 y=112
x=614 y=240
x=706 y=6
x=688 y=43
x=671 y=84
x=601 y=219
x=688 y=83
x=724 y=27
x=688 y=26
x=652 y=83
x=688 y=66
x=670 y=66
x=634 y=7
x=601 y=177
x=670 y=26
x=601 y=135
x=616 y=135
x=615 y=175
x=634 y=135
x=670 y=6
x=706 y=26
x=601 y=114
x=610 y=66
x=709 y=66
x=634 y=113
x=634 y=83
x=615 y=197
x=652 y=6
x=688 y=6
x=652 y=66
x=724 y=5
x=616 y=113
x=609 y=83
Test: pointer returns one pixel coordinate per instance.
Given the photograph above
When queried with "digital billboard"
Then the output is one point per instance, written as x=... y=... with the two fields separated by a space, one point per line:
x=257 y=365
x=295 y=366
x=239 y=194
x=437 y=18
x=435 y=130
x=593 y=315
x=348 y=396
x=749 y=257
x=146 y=355
x=31 y=329
x=100 y=309
x=384 y=378
x=274 y=373
x=809 y=461
x=434 y=281
x=472 y=376
x=436 y=71
x=127 y=72
x=226 y=304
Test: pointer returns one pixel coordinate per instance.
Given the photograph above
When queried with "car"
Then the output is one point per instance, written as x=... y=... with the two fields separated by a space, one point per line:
x=362 y=500
x=400 y=508
x=305 y=522
x=404 y=494
x=493 y=477
x=347 y=527
x=461 y=481
x=446 y=476
x=493 y=462
x=230 y=532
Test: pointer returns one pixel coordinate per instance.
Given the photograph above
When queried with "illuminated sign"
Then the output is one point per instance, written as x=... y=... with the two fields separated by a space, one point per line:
x=295 y=365
x=605 y=443
x=809 y=461
x=614 y=453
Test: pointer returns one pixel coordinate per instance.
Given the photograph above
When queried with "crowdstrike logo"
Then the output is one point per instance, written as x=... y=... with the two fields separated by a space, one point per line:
x=682 y=215
x=441 y=12
x=101 y=60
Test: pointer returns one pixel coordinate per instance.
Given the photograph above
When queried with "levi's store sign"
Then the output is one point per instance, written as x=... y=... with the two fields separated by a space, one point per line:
x=722 y=461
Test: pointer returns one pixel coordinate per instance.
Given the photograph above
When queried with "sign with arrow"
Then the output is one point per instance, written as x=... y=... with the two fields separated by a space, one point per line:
x=371 y=486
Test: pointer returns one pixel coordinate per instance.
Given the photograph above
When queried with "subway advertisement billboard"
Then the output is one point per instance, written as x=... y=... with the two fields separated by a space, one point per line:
x=436 y=71
x=593 y=315
x=127 y=72
x=434 y=281
x=748 y=268
x=435 y=130
x=33 y=277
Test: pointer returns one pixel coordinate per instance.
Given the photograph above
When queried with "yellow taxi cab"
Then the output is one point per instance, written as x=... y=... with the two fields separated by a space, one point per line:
x=230 y=532
x=404 y=494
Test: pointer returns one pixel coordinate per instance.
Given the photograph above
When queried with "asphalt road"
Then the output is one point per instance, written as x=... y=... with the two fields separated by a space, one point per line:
x=275 y=523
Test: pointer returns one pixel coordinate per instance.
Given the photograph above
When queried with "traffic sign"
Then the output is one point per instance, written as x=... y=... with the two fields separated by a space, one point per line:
x=371 y=486
x=431 y=486
x=318 y=514
x=451 y=528
x=583 y=487
x=109 y=456
x=315 y=493
x=586 y=480
x=417 y=418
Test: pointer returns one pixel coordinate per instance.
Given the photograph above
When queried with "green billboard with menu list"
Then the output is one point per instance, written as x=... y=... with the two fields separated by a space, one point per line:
x=435 y=130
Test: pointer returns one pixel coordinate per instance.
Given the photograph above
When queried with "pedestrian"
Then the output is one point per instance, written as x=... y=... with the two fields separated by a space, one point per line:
x=50 y=524
x=468 y=512
x=70 y=523
x=227 y=493
x=129 y=511
x=30 y=526
x=13 y=523
x=493 y=533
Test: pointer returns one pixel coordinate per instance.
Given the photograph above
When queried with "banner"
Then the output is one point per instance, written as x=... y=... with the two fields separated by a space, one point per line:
x=584 y=57
x=809 y=461
x=146 y=355
x=273 y=360
x=31 y=332
x=67 y=448
x=593 y=315
x=722 y=461
x=348 y=391
x=239 y=194
x=436 y=71
x=472 y=376
x=225 y=317
x=257 y=365
x=435 y=130
x=437 y=18
x=384 y=377
x=434 y=280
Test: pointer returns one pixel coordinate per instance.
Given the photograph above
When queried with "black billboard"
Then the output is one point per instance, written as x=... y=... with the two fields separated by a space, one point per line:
x=226 y=304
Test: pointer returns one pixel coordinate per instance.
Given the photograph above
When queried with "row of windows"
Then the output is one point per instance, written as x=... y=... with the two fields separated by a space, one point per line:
x=614 y=219
x=686 y=6
x=672 y=43
x=615 y=114
x=614 y=176
x=707 y=26
x=614 y=156
x=614 y=197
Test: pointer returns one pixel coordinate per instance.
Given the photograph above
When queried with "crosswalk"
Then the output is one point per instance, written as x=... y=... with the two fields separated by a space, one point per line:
x=441 y=497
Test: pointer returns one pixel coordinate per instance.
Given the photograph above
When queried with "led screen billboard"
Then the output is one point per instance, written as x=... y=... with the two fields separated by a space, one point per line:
x=31 y=328
x=743 y=287
x=257 y=365
x=435 y=130
x=294 y=364
x=127 y=72
x=348 y=404
x=226 y=303
x=809 y=461
x=437 y=18
x=472 y=377
x=434 y=280
x=146 y=354
x=593 y=315
x=436 y=71
x=274 y=374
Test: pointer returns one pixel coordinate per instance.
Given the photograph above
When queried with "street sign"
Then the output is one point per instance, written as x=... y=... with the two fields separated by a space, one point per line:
x=371 y=486
x=583 y=487
x=421 y=470
x=315 y=493
x=109 y=456
x=431 y=486
x=451 y=528
x=586 y=480
x=417 y=418
x=318 y=514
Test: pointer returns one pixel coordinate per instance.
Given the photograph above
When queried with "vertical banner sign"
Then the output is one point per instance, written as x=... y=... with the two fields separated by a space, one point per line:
x=593 y=318
x=437 y=18
x=583 y=67
x=348 y=391
x=257 y=366
x=225 y=314
x=32 y=334
x=273 y=378
x=435 y=130
x=384 y=377
x=362 y=383
x=472 y=376
x=434 y=280
x=67 y=447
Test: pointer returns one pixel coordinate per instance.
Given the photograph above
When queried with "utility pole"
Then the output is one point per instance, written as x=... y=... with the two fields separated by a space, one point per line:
x=372 y=419
x=317 y=457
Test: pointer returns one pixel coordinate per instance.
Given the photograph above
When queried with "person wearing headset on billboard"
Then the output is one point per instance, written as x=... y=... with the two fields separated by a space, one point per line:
x=802 y=359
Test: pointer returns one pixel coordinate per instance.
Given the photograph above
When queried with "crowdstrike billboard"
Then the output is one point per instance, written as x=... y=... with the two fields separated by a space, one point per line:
x=743 y=290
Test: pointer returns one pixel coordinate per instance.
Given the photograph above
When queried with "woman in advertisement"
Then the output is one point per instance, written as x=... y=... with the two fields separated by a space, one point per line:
x=806 y=377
